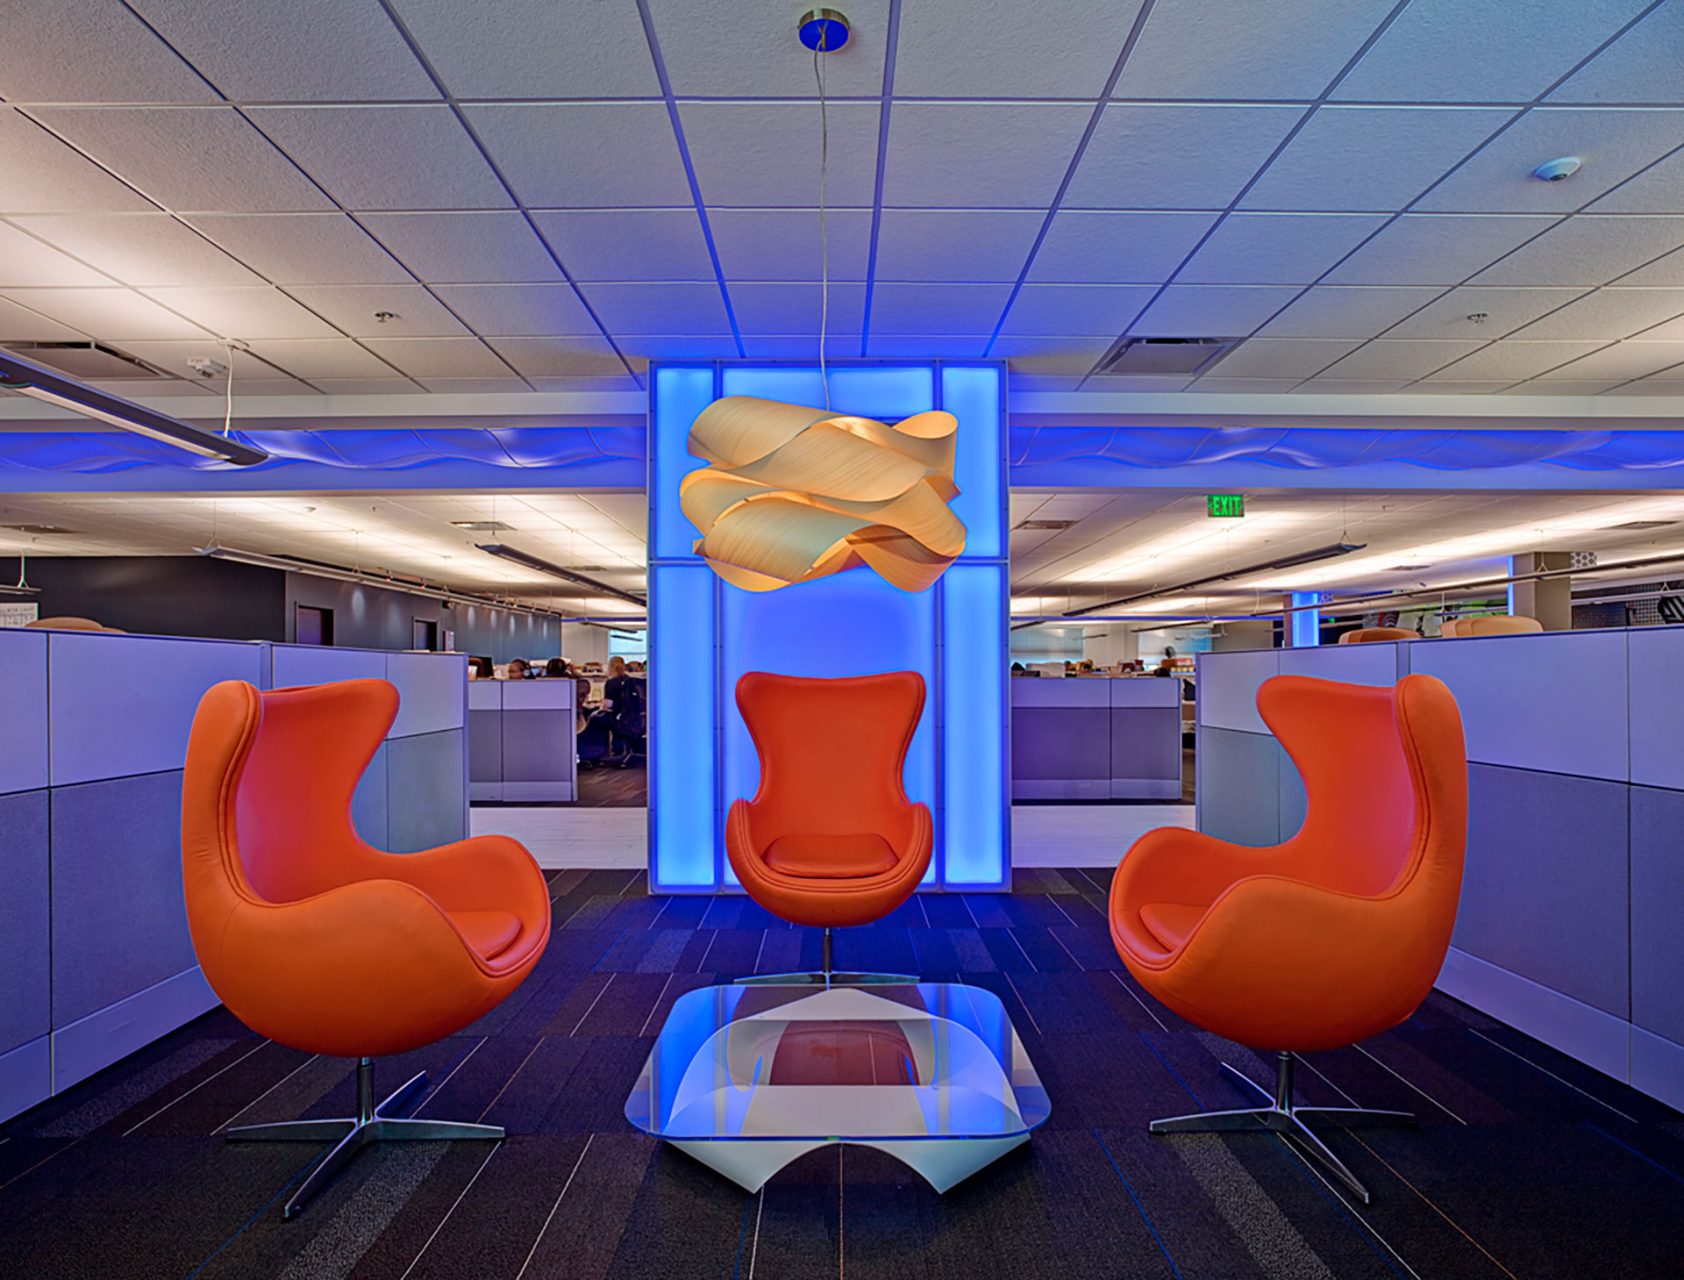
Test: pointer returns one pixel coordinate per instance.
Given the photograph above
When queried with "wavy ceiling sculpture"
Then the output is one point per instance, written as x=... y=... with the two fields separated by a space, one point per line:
x=794 y=493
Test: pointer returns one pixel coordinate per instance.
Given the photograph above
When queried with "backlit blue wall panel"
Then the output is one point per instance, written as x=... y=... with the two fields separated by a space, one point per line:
x=706 y=634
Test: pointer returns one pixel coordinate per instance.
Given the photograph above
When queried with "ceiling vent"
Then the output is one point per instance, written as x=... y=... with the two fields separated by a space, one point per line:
x=1166 y=356
x=37 y=528
x=1049 y=525
x=90 y=361
x=1640 y=524
x=483 y=526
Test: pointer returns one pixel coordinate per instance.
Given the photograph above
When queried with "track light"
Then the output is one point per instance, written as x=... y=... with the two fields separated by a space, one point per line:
x=1282 y=562
x=556 y=571
x=44 y=384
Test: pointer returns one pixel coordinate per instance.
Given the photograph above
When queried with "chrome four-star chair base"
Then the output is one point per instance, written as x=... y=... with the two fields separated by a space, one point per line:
x=372 y=1123
x=1280 y=1115
x=828 y=977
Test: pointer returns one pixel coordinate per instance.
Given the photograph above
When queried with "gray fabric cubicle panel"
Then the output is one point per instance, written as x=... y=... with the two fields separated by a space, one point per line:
x=23 y=710
x=1545 y=888
x=1657 y=707
x=1146 y=747
x=538 y=745
x=368 y=801
x=1519 y=694
x=297 y=664
x=1231 y=701
x=119 y=920
x=1657 y=890
x=1239 y=786
x=1060 y=743
x=432 y=691
x=424 y=806
x=1375 y=664
x=25 y=960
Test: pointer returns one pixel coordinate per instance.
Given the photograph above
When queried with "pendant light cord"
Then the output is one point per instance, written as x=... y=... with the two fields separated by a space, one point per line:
x=824 y=229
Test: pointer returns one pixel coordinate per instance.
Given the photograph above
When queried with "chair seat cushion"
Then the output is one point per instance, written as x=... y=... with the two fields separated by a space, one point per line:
x=1171 y=922
x=834 y=857
x=490 y=933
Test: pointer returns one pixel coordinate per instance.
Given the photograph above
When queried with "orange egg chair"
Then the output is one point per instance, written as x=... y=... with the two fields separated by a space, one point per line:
x=1490 y=624
x=830 y=839
x=1376 y=635
x=316 y=939
x=1331 y=937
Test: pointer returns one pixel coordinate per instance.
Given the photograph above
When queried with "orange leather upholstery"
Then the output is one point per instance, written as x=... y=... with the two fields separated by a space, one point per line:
x=1495 y=624
x=830 y=838
x=308 y=934
x=1376 y=635
x=1338 y=933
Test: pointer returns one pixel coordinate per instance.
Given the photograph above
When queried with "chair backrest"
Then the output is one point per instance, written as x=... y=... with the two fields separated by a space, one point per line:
x=1386 y=775
x=1375 y=635
x=266 y=797
x=1491 y=624
x=831 y=751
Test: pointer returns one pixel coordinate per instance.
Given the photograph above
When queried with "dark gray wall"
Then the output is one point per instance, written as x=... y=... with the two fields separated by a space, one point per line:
x=163 y=595
x=377 y=618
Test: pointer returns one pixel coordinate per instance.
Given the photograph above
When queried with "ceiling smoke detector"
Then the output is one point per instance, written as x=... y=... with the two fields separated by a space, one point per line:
x=1166 y=356
x=1557 y=170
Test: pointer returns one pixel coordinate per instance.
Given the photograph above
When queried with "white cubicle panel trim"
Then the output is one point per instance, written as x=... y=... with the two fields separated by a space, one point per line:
x=485 y=695
x=23 y=711
x=430 y=691
x=1144 y=691
x=1656 y=658
x=1032 y=691
x=1371 y=664
x=1231 y=701
x=303 y=664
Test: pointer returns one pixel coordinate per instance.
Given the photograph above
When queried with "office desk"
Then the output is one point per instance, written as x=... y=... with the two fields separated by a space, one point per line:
x=1096 y=738
x=522 y=740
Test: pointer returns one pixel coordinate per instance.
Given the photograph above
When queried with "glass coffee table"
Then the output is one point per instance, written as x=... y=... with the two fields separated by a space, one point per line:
x=747 y=1078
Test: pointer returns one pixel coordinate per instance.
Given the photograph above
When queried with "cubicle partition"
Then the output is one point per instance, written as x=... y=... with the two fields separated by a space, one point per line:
x=93 y=929
x=1096 y=738
x=1568 y=928
x=522 y=740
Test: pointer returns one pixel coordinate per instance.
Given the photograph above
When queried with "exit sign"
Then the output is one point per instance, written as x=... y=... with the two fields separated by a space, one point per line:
x=1225 y=504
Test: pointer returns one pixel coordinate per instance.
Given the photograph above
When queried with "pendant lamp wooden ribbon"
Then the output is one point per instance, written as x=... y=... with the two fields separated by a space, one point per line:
x=793 y=493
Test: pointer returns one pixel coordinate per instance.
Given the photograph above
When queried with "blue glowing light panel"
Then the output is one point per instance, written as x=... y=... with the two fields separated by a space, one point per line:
x=706 y=634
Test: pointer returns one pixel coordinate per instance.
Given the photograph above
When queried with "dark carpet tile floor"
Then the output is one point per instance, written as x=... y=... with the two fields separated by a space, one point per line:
x=1525 y=1164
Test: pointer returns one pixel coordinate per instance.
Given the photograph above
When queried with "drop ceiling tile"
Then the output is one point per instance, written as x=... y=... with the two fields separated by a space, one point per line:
x=629 y=244
x=105 y=55
x=1441 y=50
x=1609 y=314
x=146 y=388
x=423 y=358
x=1394 y=359
x=1437 y=248
x=24 y=260
x=966 y=245
x=465 y=248
x=163 y=151
x=1620 y=361
x=767 y=153
x=1277 y=248
x=1273 y=48
x=1505 y=310
x=1061 y=357
x=927 y=347
x=172 y=358
x=1059 y=309
x=393 y=385
x=535 y=48
x=1275 y=359
x=911 y=309
x=1613 y=144
x=1087 y=247
x=623 y=382
x=1513 y=359
x=1329 y=311
x=302 y=248
x=572 y=357
x=1378 y=158
x=794 y=308
x=1488 y=387
x=1212 y=311
x=659 y=308
x=979 y=155
x=1176 y=157
x=793 y=346
x=106 y=314
x=1671 y=328
x=302 y=51
x=519 y=310
x=640 y=349
x=1350 y=387
x=1553 y=387
x=352 y=309
x=584 y=154
x=45 y=175
x=270 y=386
x=476 y=386
x=1040 y=382
x=1052 y=49
x=738 y=53
x=1641 y=66
x=140 y=248
x=1139 y=383
x=323 y=360
x=1588 y=250
x=783 y=244
x=410 y=157
x=1245 y=386
x=244 y=313
x=1656 y=189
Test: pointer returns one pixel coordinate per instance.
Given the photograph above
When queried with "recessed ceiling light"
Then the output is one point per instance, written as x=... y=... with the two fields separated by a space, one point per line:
x=1046 y=524
x=483 y=526
x=1556 y=170
x=37 y=528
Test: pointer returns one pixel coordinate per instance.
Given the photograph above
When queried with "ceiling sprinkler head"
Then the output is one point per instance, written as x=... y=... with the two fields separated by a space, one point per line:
x=1556 y=170
x=1478 y=317
x=823 y=30
x=381 y=317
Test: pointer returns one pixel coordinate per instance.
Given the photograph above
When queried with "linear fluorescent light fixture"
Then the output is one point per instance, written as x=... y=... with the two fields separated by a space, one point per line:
x=1328 y=552
x=44 y=384
x=338 y=573
x=556 y=571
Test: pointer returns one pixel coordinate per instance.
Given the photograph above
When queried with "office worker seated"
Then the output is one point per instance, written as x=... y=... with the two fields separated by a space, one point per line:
x=517 y=669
